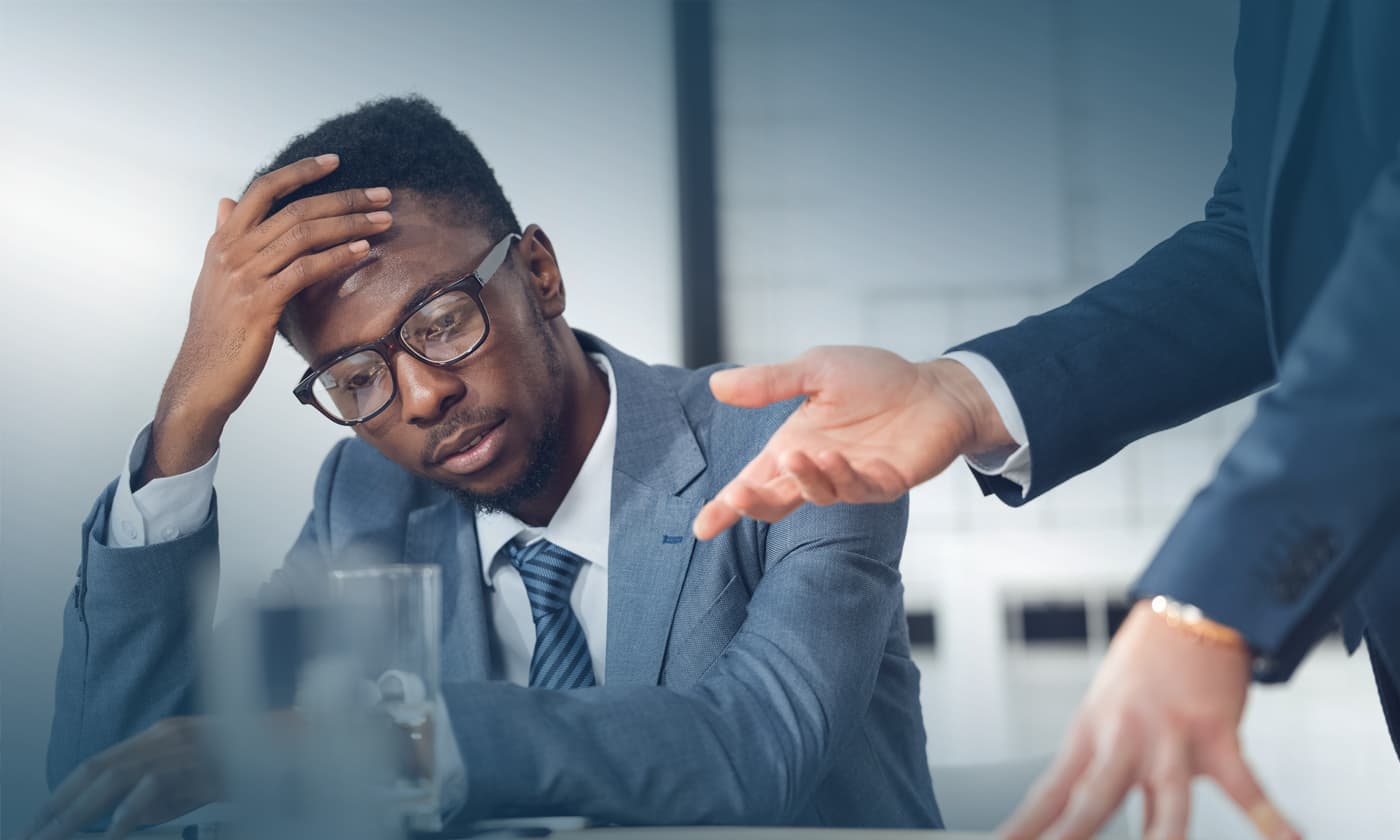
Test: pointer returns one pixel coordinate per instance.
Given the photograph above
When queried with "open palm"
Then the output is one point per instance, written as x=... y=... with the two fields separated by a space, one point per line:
x=873 y=426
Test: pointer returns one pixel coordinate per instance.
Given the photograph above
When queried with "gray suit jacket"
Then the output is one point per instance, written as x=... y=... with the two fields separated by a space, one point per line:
x=763 y=677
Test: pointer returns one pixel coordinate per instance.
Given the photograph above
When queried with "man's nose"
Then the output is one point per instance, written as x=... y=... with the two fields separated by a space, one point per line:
x=428 y=392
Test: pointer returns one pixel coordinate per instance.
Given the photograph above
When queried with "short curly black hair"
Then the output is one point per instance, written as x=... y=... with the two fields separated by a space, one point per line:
x=404 y=143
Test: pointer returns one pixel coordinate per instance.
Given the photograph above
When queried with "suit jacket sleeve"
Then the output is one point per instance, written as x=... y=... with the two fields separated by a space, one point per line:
x=1180 y=332
x=1308 y=497
x=134 y=622
x=746 y=743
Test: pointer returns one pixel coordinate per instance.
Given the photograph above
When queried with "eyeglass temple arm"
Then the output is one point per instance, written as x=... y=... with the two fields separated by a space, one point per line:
x=493 y=261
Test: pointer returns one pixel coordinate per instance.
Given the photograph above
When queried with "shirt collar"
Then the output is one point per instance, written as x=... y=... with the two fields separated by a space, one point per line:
x=582 y=523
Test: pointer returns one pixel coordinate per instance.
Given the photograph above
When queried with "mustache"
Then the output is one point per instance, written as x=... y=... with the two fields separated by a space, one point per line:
x=456 y=421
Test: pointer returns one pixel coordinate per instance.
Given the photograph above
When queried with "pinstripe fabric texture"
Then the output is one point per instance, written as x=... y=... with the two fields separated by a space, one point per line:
x=561 y=658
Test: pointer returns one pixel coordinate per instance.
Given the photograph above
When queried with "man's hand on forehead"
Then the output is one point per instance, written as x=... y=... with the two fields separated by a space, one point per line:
x=255 y=263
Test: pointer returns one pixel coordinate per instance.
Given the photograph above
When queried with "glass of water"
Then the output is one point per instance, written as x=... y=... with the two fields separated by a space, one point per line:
x=393 y=620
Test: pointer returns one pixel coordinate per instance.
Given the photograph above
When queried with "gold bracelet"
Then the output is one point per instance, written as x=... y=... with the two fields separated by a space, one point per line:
x=1189 y=618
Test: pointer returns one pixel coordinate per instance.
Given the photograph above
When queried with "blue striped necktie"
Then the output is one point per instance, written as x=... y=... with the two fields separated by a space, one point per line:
x=561 y=657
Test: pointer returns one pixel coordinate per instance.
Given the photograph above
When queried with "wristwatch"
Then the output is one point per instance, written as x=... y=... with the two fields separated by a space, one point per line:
x=1189 y=618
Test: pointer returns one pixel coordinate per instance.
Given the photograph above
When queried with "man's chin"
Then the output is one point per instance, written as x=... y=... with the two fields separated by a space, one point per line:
x=500 y=496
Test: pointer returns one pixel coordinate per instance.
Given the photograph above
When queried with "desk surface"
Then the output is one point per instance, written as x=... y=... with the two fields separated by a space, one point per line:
x=699 y=833
x=731 y=833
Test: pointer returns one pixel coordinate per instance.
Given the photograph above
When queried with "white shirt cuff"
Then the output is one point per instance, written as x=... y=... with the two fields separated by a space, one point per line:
x=1011 y=463
x=164 y=509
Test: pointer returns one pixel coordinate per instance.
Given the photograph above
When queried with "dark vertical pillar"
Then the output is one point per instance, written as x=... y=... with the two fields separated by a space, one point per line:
x=692 y=29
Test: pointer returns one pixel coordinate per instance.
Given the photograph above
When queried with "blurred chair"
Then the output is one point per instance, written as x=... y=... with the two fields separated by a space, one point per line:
x=977 y=797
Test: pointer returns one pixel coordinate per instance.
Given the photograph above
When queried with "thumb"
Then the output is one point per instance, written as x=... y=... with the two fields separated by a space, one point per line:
x=226 y=206
x=760 y=385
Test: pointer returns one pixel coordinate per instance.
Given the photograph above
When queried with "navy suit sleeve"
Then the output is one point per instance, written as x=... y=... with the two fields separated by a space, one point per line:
x=1307 y=498
x=746 y=743
x=1180 y=332
x=133 y=624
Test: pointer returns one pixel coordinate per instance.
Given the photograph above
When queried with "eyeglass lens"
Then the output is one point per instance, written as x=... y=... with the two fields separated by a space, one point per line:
x=445 y=329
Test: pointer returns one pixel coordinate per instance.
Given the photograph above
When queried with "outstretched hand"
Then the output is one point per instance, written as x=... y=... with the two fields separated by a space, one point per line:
x=873 y=426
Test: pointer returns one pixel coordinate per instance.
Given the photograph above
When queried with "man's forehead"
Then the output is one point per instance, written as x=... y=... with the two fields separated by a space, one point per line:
x=418 y=252
x=399 y=261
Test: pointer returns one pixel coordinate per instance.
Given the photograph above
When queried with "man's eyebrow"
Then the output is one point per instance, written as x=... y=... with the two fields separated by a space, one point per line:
x=432 y=286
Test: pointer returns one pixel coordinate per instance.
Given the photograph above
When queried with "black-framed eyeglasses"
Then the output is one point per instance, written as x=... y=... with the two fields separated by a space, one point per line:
x=441 y=331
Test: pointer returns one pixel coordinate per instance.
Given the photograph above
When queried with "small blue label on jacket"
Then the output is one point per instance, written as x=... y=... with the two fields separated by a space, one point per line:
x=670 y=539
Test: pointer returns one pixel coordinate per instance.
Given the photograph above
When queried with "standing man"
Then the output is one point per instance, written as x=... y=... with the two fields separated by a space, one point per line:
x=1292 y=279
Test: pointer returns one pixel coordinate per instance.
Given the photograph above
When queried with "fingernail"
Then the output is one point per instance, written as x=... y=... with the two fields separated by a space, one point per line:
x=379 y=217
x=377 y=193
x=359 y=246
x=1269 y=822
x=328 y=160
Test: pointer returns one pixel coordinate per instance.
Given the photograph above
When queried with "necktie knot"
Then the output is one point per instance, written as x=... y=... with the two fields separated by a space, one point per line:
x=549 y=573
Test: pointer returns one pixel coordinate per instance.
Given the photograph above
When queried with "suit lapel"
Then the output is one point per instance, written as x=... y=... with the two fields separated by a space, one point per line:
x=649 y=542
x=1307 y=25
x=649 y=550
x=445 y=534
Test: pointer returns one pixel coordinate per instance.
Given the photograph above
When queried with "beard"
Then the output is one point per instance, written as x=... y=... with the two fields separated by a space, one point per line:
x=546 y=449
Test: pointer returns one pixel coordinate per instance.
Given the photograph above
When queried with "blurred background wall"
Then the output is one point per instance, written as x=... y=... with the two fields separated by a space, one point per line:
x=900 y=173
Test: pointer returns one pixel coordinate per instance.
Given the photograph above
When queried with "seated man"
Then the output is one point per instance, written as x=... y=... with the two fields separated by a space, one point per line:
x=762 y=678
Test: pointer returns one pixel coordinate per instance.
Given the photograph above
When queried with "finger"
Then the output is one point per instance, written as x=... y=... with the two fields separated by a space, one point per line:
x=312 y=268
x=760 y=385
x=87 y=806
x=1229 y=769
x=875 y=481
x=1171 y=811
x=1098 y=794
x=1149 y=807
x=812 y=482
x=82 y=778
x=132 y=811
x=1169 y=791
x=714 y=519
x=226 y=206
x=265 y=189
x=328 y=206
x=317 y=235
x=769 y=502
x=1050 y=793
x=718 y=514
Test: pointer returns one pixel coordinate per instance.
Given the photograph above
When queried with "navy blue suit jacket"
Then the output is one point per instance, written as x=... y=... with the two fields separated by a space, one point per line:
x=1299 y=528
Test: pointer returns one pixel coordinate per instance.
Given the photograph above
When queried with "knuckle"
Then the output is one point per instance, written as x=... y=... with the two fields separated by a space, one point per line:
x=89 y=770
x=107 y=777
x=299 y=233
x=347 y=199
x=296 y=210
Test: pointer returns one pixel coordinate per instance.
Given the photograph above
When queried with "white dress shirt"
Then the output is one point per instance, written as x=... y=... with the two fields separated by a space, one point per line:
x=1012 y=463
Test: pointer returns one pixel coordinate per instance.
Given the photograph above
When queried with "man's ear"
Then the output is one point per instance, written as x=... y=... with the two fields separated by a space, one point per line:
x=544 y=278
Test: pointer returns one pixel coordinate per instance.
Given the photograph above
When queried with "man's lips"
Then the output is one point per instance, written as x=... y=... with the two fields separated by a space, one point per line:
x=470 y=449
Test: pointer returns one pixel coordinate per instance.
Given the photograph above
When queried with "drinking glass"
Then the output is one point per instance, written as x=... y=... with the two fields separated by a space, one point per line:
x=394 y=630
